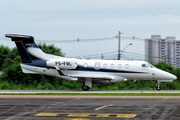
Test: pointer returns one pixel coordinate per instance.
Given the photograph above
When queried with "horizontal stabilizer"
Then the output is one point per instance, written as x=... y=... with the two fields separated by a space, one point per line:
x=18 y=36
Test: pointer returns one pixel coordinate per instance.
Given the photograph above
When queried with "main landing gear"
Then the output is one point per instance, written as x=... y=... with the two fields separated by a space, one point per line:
x=85 y=87
x=87 y=84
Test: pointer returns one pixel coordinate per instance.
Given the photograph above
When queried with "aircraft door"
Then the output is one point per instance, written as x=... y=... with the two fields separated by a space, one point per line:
x=97 y=65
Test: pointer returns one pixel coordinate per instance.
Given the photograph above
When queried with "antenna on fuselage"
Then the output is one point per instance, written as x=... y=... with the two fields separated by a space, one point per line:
x=82 y=57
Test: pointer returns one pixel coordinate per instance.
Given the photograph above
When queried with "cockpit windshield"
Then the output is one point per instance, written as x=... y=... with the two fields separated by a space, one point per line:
x=147 y=65
x=151 y=66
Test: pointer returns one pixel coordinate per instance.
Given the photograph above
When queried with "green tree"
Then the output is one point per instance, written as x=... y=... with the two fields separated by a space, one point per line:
x=4 y=53
x=8 y=57
x=177 y=73
x=50 y=49
x=164 y=66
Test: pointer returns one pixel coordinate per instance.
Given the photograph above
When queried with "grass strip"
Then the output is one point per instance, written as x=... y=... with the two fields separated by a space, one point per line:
x=97 y=94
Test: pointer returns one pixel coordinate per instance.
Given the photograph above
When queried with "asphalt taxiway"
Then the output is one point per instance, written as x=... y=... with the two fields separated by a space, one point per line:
x=27 y=107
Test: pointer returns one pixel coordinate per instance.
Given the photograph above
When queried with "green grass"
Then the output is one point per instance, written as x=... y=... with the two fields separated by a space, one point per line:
x=97 y=94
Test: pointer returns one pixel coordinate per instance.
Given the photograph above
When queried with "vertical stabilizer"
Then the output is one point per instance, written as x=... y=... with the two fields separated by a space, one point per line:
x=27 y=48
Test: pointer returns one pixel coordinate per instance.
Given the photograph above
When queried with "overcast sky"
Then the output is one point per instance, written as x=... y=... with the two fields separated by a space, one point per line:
x=84 y=19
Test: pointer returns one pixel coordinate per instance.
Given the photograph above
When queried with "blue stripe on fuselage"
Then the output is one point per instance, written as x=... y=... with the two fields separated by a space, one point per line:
x=37 y=63
x=81 y=68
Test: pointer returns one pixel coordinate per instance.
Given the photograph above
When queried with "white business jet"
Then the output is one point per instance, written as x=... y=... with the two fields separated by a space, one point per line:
x=89 y=72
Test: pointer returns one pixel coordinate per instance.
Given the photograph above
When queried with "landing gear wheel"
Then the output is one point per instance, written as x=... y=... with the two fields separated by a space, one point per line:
x=85 y=87
x=158 y=88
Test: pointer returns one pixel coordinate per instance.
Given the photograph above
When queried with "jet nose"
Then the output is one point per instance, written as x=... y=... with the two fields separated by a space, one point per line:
x=172 y=77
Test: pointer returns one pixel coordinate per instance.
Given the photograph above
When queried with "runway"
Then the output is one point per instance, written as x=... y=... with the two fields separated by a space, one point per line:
x=30 y=107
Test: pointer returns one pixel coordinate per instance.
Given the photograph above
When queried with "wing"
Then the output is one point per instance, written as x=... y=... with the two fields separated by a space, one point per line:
x=98 y=77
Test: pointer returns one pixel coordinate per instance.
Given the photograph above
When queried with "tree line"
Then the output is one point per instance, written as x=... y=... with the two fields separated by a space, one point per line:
x=13 y=78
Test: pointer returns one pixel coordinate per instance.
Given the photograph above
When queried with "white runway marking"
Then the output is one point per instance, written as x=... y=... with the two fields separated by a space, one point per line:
x=103 y=107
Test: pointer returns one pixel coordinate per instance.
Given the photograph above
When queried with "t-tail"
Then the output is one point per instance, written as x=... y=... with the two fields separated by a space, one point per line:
x=27 y=48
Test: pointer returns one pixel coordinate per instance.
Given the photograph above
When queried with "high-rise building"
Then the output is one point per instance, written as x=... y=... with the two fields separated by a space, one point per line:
x=165 y=50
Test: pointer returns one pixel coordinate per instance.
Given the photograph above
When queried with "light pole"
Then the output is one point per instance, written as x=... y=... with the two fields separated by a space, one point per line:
x=119 y=42
x=119 y=55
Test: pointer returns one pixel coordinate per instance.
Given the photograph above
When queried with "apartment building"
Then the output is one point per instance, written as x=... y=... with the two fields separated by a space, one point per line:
x=165 y=50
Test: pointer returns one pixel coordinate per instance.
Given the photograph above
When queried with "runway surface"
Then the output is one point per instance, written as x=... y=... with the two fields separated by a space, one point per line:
x=79 y=108
x=91 y=91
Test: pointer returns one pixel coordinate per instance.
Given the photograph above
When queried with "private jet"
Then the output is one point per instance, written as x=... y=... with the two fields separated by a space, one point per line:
x=89 y=72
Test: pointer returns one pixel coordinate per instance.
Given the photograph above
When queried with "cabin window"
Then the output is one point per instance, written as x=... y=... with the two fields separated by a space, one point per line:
x=85 y=65
x=112 y=65
x=119 y=65
x=127 y=66
x=105 y=65
x=97 y=65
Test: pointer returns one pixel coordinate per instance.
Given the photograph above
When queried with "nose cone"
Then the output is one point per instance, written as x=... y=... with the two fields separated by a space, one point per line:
x=163 y=75
x=172 y=77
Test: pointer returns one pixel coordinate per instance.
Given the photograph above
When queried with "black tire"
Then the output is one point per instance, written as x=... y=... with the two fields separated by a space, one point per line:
x=158 y=89
x=85 y=87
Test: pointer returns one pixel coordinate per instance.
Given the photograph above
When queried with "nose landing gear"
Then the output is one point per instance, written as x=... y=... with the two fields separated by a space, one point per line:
x=158 y=86
x=158 y=83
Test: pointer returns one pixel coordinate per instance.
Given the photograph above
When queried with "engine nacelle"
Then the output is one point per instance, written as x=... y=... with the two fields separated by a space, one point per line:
x=63 y=63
